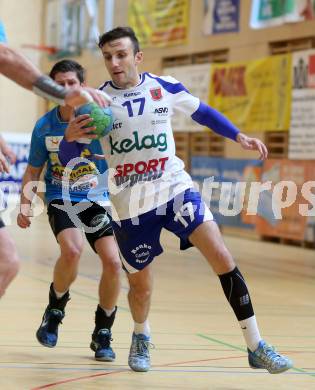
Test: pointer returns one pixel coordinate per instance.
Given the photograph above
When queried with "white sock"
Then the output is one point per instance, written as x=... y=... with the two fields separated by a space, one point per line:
x=250 y=332
x=108 y=312
x=59 y=294
x=143 y=328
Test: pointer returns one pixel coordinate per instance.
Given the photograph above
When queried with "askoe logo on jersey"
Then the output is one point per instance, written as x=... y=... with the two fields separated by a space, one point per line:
x=142 y=253
x=127 y=145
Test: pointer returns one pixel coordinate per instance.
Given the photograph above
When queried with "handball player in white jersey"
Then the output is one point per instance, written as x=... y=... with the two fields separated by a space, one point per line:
x=150 y=190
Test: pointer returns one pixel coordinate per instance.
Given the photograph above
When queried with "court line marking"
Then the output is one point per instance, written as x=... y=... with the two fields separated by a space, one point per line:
x=166 y=365
x=155 y=369
x=77 y=379
x=244 y=350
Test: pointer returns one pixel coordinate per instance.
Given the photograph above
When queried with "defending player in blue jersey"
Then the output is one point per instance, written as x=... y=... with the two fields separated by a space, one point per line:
x=92 y=217
x=150 y=190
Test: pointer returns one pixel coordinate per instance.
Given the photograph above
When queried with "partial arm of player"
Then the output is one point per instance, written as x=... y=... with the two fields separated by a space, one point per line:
x=19 y=69
x=7 y=156
x=28 y=191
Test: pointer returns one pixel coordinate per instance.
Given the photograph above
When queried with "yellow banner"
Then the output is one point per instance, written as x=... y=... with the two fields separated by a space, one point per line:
x=255 y=95
x=159 y=23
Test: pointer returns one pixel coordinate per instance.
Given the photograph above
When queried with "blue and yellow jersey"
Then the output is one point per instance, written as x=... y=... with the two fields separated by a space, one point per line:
x=82 y=181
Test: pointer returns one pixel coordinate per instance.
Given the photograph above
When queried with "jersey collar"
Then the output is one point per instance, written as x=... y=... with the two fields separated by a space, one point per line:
x=142 y=77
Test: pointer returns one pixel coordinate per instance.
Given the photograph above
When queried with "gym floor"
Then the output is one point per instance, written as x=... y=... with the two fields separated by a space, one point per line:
x=198 y=343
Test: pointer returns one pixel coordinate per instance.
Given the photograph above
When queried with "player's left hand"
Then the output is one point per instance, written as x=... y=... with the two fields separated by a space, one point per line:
x=78 y=128
x=249 y=143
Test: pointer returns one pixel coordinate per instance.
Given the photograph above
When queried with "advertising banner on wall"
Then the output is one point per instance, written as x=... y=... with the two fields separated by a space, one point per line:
x=254 y=95
x=302 y=127
x=285 y=208
x=221 y=16
x=159 y=23
x=195 y=78
x=225 y=186
x=269 y=13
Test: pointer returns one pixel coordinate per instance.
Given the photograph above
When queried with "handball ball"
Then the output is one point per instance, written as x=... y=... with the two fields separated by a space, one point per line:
x=102 y=118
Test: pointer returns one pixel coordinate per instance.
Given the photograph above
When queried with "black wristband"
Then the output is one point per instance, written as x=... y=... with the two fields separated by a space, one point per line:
x=45 y=87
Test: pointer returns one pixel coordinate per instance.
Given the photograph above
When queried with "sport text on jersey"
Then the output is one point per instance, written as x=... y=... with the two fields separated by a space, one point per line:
x=130 y=174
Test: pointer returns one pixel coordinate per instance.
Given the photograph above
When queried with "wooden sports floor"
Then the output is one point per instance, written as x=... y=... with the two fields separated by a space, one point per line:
x=198 y=343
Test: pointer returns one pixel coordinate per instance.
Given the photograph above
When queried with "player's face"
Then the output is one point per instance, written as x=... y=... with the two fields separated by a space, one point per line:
x=121 y=62
x=68 y=80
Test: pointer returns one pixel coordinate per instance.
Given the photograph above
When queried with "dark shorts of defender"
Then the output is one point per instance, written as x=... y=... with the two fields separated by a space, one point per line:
x=1 y=223
x=93 y=216
x=138 y=238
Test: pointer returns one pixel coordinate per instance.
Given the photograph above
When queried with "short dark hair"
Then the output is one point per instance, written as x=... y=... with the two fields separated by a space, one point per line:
x=120 y=32
x=64 y=66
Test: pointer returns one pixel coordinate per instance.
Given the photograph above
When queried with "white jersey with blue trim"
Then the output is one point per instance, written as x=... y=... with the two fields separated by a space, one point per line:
x=140 y=150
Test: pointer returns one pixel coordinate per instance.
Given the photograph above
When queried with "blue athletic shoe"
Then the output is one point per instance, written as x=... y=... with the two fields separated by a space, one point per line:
x=266 y=357
x=139 y=356
x=47 y=333
x=100 y=344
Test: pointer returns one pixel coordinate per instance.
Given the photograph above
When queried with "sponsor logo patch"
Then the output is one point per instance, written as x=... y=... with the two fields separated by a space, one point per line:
x=156 y=93
x=142 y=253
x=52 y=143
x=149 y=141
x=100 y=220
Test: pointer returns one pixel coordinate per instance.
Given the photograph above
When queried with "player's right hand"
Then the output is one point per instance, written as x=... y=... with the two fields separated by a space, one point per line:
x=23 y=221
x=76 y=128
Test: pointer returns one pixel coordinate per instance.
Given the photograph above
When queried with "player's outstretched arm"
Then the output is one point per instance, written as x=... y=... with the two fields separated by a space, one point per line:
x=19 y=69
